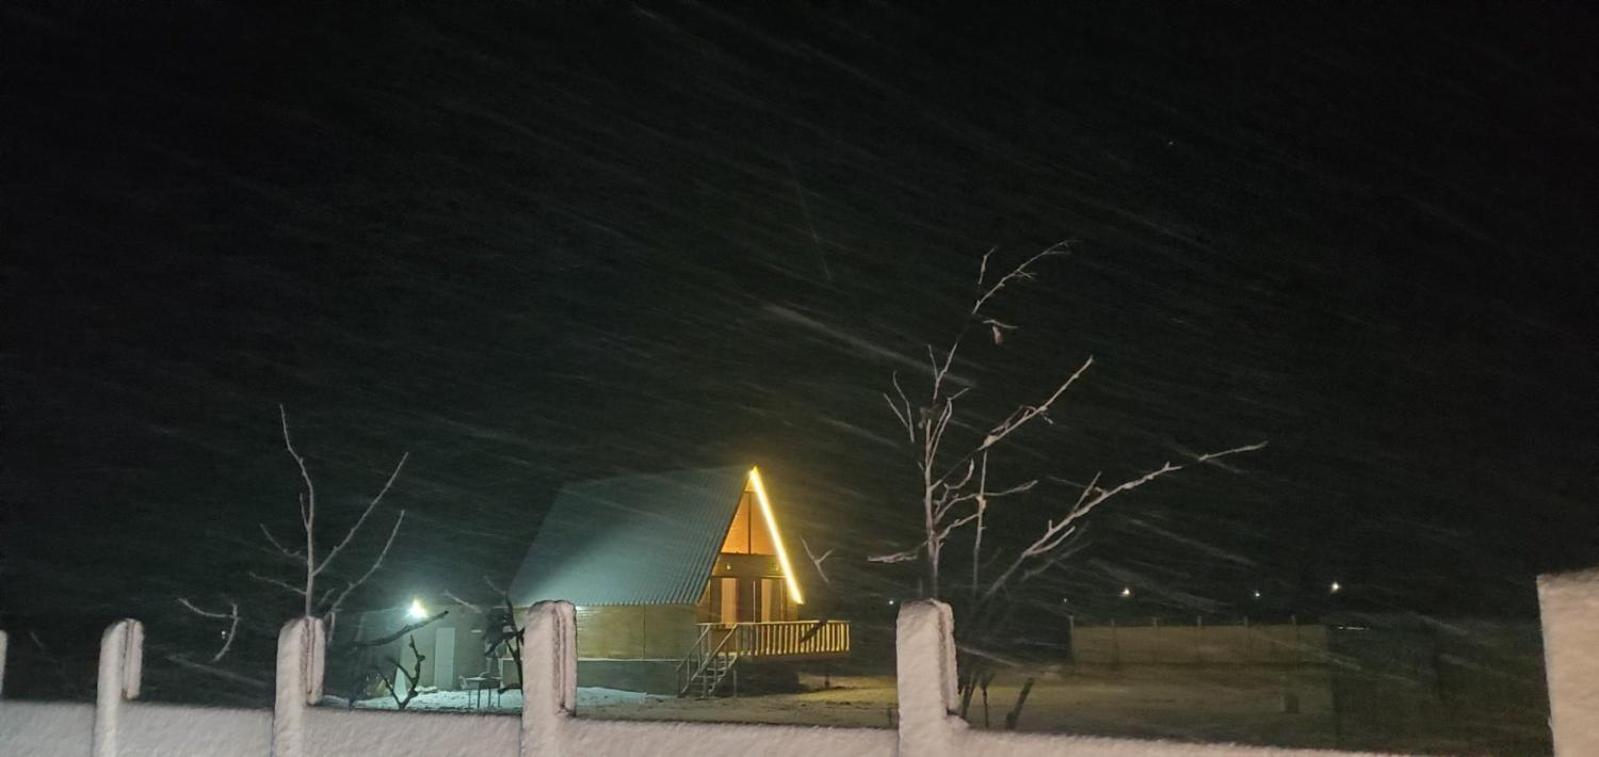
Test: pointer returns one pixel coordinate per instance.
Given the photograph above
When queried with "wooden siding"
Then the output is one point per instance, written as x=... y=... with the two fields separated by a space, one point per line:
x=635 y=632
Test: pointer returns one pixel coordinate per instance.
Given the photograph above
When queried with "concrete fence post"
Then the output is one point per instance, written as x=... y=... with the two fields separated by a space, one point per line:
x=924 y=645
x=302 y=646
x=1568 y=604
x=549 y=677
x=121 y=668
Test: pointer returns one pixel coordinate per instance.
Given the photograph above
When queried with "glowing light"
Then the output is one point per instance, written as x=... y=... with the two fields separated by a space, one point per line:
x=1127 y=591
x=890 y=602
x=416 y=611
x=1257 y=594
x=771 y=526
x=1335 y=588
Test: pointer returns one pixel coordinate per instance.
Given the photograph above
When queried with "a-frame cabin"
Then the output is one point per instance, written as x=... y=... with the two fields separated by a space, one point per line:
x=678 y=579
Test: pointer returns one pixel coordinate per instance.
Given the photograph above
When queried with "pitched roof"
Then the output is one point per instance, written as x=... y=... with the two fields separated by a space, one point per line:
x=631 y=540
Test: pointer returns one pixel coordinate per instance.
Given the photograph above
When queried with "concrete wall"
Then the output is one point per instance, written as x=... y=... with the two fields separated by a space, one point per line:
x=1570 y=608
x=1199 y=645
x=118 y=724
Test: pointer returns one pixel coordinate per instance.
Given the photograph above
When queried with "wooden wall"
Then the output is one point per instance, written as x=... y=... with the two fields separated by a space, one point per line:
x=635 y=632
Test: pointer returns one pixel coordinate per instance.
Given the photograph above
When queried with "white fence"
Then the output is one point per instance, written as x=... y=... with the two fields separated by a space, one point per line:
x=118 y=724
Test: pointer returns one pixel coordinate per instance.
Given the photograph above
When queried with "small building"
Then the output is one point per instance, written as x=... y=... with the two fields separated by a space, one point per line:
x=681 y=580
x=677 y=577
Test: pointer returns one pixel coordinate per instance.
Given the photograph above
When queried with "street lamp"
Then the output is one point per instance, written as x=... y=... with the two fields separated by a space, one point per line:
x=416 y=611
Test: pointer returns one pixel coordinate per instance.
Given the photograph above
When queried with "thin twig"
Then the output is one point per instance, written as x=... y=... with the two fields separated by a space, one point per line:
x=233 y=627
x=370 y=506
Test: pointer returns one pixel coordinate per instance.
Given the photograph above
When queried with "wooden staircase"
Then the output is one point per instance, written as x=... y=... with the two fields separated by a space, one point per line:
x=712 y=660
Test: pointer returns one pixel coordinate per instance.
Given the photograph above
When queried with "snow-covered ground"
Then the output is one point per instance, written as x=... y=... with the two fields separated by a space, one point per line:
x=510 y=701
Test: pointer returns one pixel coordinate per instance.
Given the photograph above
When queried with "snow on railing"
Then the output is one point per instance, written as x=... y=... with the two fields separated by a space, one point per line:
x=117 y=724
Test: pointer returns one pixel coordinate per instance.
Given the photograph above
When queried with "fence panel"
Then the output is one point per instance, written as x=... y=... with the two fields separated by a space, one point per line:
x=117 y=724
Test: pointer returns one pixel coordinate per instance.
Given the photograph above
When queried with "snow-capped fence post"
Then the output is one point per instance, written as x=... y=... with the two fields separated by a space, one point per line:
x=1569 y=606
x=301 y=649
x=549 y=676
x=121 y=663
x=924 y=643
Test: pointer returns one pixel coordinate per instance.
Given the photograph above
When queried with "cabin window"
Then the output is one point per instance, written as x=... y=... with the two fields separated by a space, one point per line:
x=750 y=533
x=729 y=600
x=771 y=600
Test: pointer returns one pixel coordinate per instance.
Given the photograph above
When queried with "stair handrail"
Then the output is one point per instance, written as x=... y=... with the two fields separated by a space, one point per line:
x=705 y=660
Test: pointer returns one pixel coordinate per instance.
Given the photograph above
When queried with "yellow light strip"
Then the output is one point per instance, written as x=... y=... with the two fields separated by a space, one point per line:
x=771 y=525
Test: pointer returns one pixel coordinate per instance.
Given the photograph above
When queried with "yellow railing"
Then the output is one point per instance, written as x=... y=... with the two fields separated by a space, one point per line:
x=793 y=638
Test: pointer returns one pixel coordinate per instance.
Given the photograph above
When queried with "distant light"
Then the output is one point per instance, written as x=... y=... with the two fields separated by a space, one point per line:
x=1336 y=587
x=1257 y=594
x=1065 y=601
x=1127 y=591
x=891 y=602
x=416 y=611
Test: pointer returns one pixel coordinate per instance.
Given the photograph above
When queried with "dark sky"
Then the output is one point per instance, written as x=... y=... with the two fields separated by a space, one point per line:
x=532 y=243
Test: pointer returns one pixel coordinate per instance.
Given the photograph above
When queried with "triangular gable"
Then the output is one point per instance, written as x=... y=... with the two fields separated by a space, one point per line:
x=644 y=539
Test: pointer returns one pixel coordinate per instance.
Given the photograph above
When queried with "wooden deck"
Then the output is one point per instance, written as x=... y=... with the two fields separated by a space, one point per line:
x=786 y=640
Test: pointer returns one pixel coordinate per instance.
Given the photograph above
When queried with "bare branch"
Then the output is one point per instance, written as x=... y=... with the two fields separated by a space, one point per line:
x=278 y=583
x=370 y=506
x=308 y=506
x=293 y=554
x=1018 y=418
x=468 y=605
x=903 y=420
x=1055 y=533
x=233 y=627
x=906 y=556
x=395 y=636
x=353 y=585
x=1025 y=413
x=496 y=588
x=1019 y=273
x=816 y=561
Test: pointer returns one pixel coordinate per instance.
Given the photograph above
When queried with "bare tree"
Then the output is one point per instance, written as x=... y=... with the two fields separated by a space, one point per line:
x=314 y=564
x=413 y=677
x=957 y=489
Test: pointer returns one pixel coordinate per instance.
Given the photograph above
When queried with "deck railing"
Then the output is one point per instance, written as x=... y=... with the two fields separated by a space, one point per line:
x=791 y=638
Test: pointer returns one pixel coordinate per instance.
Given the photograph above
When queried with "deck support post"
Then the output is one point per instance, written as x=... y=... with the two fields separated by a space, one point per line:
x=1569 y=606
x=120 y=673
x=302 y=647
x=925 y=669
x=549 y=677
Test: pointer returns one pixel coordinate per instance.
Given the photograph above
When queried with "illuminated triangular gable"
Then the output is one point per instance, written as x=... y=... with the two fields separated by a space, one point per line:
x=754 y=531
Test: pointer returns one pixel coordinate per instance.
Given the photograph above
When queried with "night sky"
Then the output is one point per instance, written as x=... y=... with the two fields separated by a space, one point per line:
x=532 y=243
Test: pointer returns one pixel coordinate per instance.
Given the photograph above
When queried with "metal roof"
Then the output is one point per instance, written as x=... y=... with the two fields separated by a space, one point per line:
x=633 y=540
